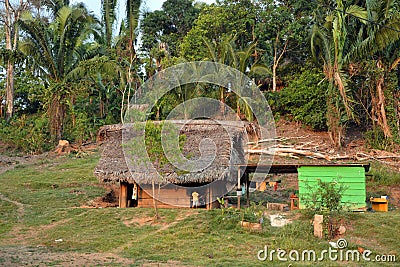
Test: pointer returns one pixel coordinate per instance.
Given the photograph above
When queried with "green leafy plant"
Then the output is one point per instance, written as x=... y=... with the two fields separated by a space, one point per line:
x=326 y=197
x=28 y=134
x=254 y=213
x=304 y=99
x=375 y=138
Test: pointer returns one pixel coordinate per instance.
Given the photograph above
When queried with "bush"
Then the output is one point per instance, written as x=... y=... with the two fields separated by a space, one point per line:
x=375 y=139
x=304 y=99
x=381 y=175
x=81 y=127
x=27 y=133
x=325 y=198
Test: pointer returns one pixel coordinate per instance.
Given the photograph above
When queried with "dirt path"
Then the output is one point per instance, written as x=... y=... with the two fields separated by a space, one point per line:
x=8 y=163
x=20 y=206
x=151 y=221
x=40 y=256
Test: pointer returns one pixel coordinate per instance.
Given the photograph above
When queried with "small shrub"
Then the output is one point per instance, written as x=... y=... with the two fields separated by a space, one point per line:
x=228 y=219
x=254 y=213
x=326 y=199
x=382 y=175
x=27 y=133
x=375 y=138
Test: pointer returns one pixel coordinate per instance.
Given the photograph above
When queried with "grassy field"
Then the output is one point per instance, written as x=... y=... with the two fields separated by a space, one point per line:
x=44 y=222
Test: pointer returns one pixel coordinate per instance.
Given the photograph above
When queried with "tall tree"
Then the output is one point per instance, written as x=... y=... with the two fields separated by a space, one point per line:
x=168 y=25
x=131 y=24
x=108 y=16
x=55 y=49
x=217 y=22
x=127 y=54
x=329 y=44
x=10 y=14
x=222 y=52
x=379 y=41
x=282 y=31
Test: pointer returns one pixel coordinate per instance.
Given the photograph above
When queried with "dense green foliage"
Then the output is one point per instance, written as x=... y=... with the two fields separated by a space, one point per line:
x=317 y=64
x=325 y=198
x=303 y=99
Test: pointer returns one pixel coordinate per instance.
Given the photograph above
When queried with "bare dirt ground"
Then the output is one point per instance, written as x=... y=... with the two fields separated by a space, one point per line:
x=40 y=256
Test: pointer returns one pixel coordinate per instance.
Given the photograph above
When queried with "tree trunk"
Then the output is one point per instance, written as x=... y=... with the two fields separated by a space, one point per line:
x=11 y=16
x=1 y=106
x=222 y=101
x=238 y=111
x=10 y=68
x=56 y=114
x=277 y=59
x=274 y=77
x=9 y=91
x=396 y=97
x=333 y=116
x=335 y=128
x=382 y=119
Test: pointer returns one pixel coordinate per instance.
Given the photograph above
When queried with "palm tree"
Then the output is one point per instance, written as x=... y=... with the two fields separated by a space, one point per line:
x=55 y=50
x=330 y=43
x=380 y=40
x=120 y=48
x=223 y=53
x=131 y=24
x=242 y=60
x=108 y=12
x=246 y=64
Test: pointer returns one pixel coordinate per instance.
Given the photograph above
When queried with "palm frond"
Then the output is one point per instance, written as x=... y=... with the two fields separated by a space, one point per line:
x=358 y=12
x=108 y=11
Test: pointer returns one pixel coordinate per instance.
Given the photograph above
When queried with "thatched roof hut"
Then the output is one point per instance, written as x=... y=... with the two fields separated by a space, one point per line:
x=229 y=138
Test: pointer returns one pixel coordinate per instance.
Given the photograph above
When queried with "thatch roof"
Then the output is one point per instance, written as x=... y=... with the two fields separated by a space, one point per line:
x=229 y=138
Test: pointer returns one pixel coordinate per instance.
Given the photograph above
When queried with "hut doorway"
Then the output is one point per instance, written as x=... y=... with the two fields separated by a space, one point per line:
x=128 y=195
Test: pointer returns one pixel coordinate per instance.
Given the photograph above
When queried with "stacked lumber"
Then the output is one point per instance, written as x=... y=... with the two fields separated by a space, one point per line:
x=297 y=148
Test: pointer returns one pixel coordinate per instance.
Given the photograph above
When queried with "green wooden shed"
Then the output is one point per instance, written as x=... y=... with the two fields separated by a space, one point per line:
x=352 y=176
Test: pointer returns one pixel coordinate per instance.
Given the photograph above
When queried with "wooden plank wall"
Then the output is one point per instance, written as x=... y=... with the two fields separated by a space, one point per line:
x=175 y=198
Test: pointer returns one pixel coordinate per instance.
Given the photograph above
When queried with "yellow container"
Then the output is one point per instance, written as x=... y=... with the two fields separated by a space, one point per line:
x=379 y=204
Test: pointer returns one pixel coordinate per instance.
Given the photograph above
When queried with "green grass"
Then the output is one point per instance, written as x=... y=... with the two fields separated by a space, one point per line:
x=52 y=192
x=382 y=175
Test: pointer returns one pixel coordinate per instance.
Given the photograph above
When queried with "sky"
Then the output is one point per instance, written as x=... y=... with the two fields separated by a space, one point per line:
x=151 y=5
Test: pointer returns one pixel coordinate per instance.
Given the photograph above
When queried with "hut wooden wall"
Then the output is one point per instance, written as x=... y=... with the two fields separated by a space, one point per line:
x=175 y=197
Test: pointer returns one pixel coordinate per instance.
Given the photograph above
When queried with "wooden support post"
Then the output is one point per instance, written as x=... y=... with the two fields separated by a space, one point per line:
x=318 y=226
x=210 y=197
x=123 y=195
x=246 y=175
x=238 y=188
